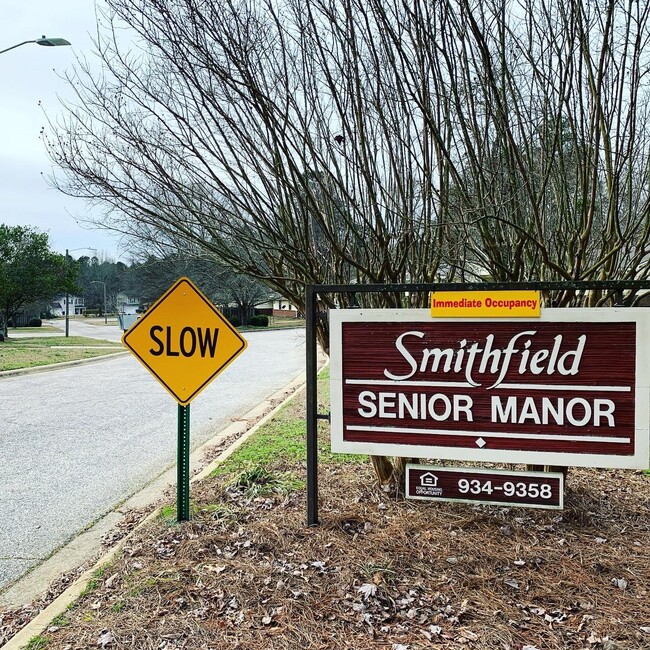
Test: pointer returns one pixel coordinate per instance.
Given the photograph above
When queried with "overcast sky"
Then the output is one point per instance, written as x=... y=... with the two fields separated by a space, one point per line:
x=28 y=75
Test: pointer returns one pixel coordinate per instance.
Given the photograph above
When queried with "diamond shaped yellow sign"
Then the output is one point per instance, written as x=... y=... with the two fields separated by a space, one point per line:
x=184 y=341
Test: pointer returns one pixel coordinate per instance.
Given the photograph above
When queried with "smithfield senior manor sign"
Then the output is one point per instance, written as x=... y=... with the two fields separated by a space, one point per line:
x=568 y=388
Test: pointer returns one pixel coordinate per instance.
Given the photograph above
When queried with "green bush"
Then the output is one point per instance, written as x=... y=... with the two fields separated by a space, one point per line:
x=234 y=321
x=34 y=322
x=259 y=321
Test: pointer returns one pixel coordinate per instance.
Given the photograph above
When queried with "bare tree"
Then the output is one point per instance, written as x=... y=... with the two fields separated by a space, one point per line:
x=257 y=131
x=151 y=276
x=539 y=108
x=339 y=141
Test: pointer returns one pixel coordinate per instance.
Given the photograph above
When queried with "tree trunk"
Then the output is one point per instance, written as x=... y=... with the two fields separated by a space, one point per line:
x=383 y=469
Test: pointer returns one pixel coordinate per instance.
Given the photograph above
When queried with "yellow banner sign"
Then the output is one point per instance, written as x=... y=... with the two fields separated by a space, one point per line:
x=485 y=304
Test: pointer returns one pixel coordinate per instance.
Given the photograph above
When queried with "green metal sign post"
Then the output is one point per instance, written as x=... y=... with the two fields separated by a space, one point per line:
x=183 y=464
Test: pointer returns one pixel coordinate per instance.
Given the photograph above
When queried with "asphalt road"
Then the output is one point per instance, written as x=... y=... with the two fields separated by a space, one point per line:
x=77 y=441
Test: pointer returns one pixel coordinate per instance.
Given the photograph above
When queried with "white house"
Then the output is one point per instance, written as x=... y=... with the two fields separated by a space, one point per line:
x=76 y=306
x=280 y=307
x=127 y=304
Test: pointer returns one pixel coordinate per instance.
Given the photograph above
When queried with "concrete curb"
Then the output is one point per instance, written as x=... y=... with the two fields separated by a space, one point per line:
x=151 y=492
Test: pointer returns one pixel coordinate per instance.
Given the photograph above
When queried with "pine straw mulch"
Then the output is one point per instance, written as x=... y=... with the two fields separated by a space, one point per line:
x=246 y=573
x=12 y=620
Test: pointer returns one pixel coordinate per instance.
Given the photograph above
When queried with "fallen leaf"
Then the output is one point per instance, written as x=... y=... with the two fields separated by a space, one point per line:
x=105 y=638
x=109 y=581
x=511 y=582
x=367 y=590
x=215 y=569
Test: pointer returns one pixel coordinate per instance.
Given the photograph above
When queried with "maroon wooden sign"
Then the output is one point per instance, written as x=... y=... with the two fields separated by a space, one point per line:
x=498 y=487
x=556 y=387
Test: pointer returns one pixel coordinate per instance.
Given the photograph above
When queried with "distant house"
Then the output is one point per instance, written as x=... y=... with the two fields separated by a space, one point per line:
x=76 y=306
x=127 y=304
x=280 y=307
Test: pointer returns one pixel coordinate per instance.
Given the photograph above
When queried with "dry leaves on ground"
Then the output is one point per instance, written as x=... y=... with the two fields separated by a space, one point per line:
x=247 y=573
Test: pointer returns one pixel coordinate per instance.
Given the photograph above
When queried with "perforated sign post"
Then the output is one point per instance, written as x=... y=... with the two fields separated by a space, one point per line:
x=185 y=342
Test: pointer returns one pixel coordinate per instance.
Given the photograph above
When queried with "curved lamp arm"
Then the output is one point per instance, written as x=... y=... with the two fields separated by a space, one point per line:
x=48 y=42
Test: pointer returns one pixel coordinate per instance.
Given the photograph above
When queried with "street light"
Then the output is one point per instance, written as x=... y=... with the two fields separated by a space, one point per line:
x=48 y=42
x=103 y=283
x=67 y=294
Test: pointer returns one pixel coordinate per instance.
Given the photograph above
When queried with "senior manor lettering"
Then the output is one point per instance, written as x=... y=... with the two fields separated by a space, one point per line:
x=505 y=379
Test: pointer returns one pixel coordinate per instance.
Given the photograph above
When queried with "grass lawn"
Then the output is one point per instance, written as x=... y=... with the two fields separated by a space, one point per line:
x=30 y=352
x=35 y=330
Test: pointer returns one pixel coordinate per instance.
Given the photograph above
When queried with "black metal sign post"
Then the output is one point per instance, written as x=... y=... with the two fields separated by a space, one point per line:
x=311 y=369
x=312 y=291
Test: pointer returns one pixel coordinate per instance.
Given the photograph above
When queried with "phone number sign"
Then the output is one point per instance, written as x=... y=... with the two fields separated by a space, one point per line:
x=490 y=486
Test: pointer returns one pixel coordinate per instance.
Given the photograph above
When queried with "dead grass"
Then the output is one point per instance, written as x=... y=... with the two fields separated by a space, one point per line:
x=247 y=573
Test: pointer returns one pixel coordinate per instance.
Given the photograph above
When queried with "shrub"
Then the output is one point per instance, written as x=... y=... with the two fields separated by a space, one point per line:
x=259 y=321
x=34 y=322
x=234 y=321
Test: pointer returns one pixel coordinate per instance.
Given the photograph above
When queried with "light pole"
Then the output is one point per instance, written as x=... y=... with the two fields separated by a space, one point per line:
x=67 y=293
x=104 y=284
x=48 y=42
